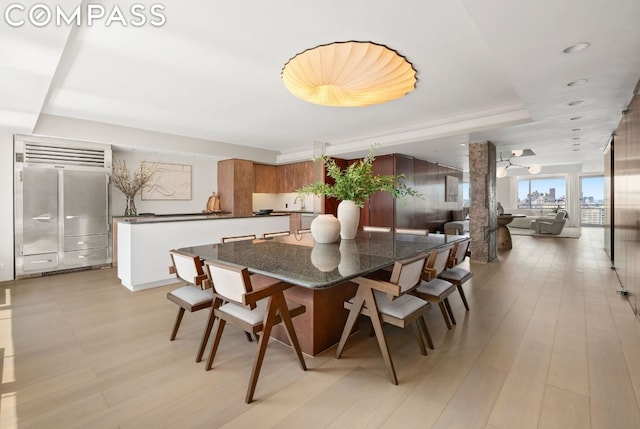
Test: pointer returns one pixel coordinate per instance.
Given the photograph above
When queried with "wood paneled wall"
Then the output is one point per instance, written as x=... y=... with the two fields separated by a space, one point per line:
x=626 y=200
x=429 y=211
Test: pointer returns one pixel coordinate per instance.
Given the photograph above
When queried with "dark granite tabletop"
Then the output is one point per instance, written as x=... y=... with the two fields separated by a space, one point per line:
x=298 y=260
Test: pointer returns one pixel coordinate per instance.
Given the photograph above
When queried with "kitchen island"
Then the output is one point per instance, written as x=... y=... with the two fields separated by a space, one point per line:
x=144 y=243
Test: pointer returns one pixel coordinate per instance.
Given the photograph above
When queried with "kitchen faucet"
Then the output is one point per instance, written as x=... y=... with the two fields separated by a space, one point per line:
x=302 y=201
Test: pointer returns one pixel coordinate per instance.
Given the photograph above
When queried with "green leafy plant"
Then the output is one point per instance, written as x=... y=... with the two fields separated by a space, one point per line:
x=357 y=182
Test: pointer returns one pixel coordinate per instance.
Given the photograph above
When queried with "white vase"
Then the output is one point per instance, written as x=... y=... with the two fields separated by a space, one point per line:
x=349 y=217
x=325 y=228
x=349 y=258
x=325 y=256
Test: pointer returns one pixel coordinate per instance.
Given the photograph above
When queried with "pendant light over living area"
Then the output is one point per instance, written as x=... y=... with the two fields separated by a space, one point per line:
x=349 y=74
x=501 y=171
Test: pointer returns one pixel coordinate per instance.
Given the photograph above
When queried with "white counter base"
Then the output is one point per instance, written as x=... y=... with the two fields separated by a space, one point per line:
x=143 y=248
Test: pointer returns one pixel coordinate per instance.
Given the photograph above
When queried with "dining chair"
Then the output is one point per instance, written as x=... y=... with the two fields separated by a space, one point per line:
x=434 y=289
x=412 y=231
x=256 y=278
x=275 y=234
x=195 y=295
x=304 y=231
x=238 y=238
x=256 y=311
x=455 y=273
x=390 y=302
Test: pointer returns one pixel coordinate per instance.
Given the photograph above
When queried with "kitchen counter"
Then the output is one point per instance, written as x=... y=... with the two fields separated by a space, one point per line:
x=144 y=242
x=190 y=217
x=295 y=211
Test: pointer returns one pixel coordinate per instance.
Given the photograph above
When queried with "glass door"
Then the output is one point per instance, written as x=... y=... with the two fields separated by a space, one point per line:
x=592 y=200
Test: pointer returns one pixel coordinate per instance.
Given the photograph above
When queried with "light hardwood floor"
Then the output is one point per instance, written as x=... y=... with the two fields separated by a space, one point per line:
x=547 y=344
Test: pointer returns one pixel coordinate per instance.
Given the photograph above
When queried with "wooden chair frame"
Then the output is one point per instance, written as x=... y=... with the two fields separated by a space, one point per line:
x=276 y=234
x=367 y=228
x=412 y=231
x=277 y=311
x=235 y=238
x=365 y=303
x=441 y=289
x=201 y=279
x=458 y=254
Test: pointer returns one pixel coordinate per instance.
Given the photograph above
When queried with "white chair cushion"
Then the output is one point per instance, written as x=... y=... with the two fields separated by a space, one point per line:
x=456 y=274
x=193 y=295
x=400 y=307
x=436 y=287
x=247 y=315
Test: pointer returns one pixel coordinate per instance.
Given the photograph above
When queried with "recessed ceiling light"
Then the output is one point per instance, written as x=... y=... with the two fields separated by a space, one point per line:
x=576 y=144
x=576 y=129
x=576 y=48
x=576 y=150
x=463 y=144
x=577 y=82
x=575 y=103
x=577 y=138
x=576 y=118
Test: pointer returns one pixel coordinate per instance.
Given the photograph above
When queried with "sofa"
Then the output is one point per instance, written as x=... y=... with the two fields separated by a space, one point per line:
x=460 y=223
x=529 y=216
x=550 y=225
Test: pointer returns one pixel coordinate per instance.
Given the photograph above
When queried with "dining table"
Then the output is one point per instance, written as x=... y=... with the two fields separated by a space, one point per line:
x=321 y=276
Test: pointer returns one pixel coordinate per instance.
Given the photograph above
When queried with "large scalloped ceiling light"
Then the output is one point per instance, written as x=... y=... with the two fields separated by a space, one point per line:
x=349 y=74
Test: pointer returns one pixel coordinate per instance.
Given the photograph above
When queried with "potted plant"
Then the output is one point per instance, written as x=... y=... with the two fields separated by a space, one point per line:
x=353 y=186
x=130 y=182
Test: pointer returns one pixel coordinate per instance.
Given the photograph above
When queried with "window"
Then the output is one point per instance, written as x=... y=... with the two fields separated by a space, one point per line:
x=548 y=193
x=592 y=200
x=466 y=201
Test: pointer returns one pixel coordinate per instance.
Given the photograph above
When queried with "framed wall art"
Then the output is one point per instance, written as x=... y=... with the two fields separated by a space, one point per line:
x=450 y=189
x=168 y=182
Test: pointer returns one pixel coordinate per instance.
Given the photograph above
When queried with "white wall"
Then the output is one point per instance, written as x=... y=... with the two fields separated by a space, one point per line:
x=204 y=174
x=505 y=194
x=282 y=202
x=30 y=57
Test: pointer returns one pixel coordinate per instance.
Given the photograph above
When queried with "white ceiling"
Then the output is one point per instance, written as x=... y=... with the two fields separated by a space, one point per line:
x=487 y=69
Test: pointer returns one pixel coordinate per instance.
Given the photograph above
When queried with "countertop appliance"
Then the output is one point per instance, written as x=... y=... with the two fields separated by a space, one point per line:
x=61 y=205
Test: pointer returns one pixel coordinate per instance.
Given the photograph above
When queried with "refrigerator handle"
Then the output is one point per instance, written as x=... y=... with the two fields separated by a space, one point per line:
x=43 y=217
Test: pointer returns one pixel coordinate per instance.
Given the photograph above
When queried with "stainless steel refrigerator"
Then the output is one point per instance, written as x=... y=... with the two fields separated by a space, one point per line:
x=61 y=205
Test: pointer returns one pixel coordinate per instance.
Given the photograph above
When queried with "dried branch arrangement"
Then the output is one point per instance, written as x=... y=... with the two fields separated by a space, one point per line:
x=130 y=182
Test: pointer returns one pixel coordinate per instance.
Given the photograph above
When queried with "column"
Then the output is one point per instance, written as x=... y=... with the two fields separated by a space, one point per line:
x=483 y=211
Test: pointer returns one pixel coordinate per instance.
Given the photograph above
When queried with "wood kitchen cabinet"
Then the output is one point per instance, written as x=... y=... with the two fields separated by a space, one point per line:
x=291 y=177
x=281 y=178
x=265 y=178
x=235 y=186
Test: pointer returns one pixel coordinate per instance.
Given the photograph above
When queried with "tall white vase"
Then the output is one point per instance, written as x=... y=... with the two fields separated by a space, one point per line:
x=325 y=228
x=349 y=217
x=349 y=258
